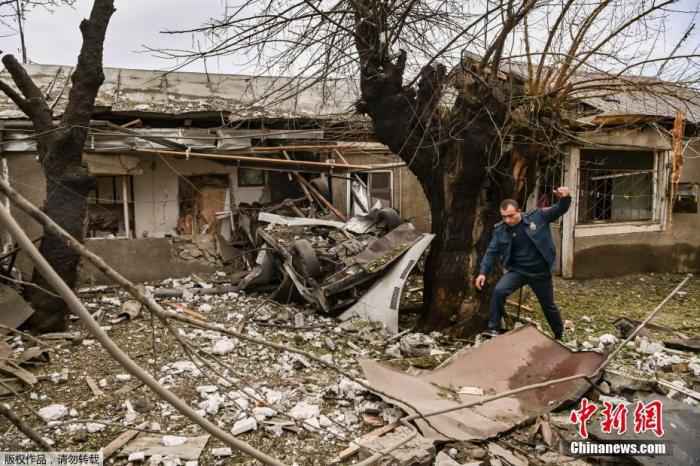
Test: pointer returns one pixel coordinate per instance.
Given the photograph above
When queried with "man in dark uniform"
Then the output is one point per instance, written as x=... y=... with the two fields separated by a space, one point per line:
x=523 y=243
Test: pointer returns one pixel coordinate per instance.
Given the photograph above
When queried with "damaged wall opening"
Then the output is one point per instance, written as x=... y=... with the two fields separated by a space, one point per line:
x=250 y=177
x=686 y=198
x=617 y=186
x=200 y=198
x=369 y=188
x=111 y=208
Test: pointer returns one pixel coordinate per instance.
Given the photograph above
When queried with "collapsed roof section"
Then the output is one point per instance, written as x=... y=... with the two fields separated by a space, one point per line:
x=185 y=94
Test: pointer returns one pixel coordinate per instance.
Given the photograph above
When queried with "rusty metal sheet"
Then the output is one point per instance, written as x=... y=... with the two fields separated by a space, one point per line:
x=518 y=358
x=13 y=309
x=383 y=251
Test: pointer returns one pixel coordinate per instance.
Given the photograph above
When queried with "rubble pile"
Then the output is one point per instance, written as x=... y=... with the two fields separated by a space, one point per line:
x=347 y=400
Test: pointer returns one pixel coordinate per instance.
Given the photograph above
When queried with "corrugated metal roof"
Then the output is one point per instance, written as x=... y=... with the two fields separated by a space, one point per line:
x=627 y=94
x=181 y=93
x=248 y=97
x=637 y=95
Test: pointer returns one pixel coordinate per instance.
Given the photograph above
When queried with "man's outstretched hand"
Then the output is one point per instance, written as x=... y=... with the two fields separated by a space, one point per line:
x=480 y=281
x=562 y=191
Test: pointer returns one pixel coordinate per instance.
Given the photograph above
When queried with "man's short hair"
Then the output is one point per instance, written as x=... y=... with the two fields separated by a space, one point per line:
x=509 y=202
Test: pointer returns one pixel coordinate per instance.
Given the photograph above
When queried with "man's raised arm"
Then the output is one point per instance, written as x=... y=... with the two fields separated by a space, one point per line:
x=560 y=208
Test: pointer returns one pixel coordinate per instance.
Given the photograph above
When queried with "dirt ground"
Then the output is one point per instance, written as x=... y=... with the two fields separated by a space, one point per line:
x=264 y=377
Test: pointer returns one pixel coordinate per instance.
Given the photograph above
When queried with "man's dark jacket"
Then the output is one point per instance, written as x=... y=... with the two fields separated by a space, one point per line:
x=537 y=227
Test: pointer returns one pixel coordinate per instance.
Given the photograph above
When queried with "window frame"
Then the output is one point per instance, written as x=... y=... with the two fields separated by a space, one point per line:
x=128 y=204
x=369 y=173
x=660 y=201
x=239 y=184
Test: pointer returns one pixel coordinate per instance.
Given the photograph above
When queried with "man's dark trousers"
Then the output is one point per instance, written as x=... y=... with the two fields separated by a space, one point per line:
x=542 y=286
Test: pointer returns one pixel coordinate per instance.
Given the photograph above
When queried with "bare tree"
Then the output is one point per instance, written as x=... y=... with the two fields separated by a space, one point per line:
x=60 y=147
x=469 y=94
x=13 y=14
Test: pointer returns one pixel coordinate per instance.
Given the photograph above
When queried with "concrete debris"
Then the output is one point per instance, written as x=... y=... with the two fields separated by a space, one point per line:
x=244 y=425
x=393 y=351
x=649 y=347
x=180 y=367
x=608 y=340
x=136 y=457
x=221 y=452
x=660 y=361
x=415 y=345
x=303 y=410
x=506 y=455
x=223 y=346
x=418 y=451
x=212 y=404
x=184 y=448
x=263 y=412
x=443 y=459
x=53 y=412
x=694 y=366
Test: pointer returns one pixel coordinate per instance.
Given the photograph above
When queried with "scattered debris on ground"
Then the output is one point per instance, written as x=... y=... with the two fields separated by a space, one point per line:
x=66 y=387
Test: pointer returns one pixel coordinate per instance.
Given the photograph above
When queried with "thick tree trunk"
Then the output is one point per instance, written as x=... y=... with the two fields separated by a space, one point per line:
x=66 y=203
x=60 y=153
x=456 y=154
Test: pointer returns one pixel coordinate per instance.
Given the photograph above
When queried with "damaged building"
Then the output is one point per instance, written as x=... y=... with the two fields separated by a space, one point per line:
x=635 y=182
x=177 y=156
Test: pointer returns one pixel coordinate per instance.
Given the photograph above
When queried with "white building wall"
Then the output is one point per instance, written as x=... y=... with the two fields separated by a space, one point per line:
x=156 y=192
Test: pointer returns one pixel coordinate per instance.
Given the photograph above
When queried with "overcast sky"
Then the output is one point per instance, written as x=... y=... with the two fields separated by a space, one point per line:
x=53 y=37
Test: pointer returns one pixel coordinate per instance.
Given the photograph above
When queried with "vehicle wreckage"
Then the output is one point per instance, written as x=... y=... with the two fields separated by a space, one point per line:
x=358 y=267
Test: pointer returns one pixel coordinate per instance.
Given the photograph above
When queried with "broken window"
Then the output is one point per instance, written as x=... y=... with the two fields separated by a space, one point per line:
x=111 y=208
x=616 y=186
x=686 y=199
x=248 y=177
x=201 y=197
x=369 y=188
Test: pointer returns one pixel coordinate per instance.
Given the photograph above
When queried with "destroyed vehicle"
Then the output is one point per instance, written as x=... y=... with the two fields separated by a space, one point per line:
x=329 y=264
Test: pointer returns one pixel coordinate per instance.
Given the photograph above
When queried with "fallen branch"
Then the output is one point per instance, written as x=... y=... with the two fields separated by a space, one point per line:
x=134 y=369
x=24 y=428
x=151 y=304
x=523 y=306
x=117 y=443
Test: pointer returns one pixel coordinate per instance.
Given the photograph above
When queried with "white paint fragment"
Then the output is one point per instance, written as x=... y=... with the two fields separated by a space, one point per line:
x=223 y=346
x=220 y=452
x=137 y=456
x=304 y=410
x=53 y=412
x=172 y=440
x=244 y=425
x=93 y=427
x=263 y=412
